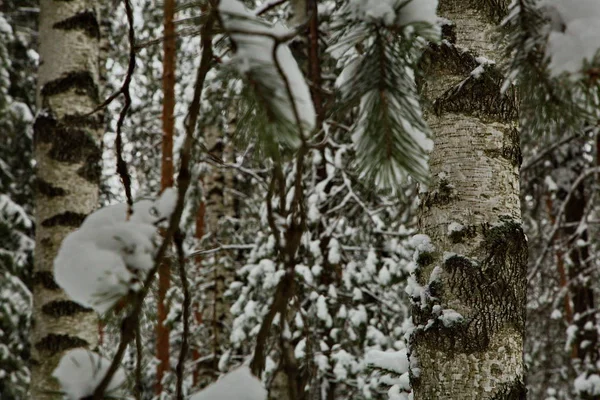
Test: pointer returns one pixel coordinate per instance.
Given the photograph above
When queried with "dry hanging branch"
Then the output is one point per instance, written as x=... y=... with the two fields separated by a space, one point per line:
x=130 y=322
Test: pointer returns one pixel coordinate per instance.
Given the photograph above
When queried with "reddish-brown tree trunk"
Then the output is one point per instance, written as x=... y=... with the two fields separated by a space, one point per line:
x=168 y=122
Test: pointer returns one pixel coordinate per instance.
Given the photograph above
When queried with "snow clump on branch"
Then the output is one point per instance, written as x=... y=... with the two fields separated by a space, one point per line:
x=254 y=41
x=108 y=255
x=395 y=12
x=239 y=384
x=80 y=371
x=573 y=39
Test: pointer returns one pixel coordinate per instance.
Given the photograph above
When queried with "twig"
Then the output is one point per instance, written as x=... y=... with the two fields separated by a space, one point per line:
x=223 y=247
x=559 y=215
x=178 y=239
x=124 y=90
x=268 y=5
x=183 y=180
x=534 y=160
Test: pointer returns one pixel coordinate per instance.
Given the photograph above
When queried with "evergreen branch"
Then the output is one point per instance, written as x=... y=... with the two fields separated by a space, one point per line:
x=390 y=134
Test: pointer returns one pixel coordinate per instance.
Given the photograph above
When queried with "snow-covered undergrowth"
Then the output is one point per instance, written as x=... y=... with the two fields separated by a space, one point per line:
x=108 y=255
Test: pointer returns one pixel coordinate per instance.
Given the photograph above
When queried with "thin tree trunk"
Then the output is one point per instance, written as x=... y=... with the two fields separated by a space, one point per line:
x=218 y=204
x=67 y=153
x=196 y=353
x=470 y=314
x=168 y=121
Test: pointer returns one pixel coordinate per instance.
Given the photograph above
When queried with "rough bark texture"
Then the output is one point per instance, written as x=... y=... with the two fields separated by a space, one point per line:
x=478 y=268
x=166 y=181
x=67 y=152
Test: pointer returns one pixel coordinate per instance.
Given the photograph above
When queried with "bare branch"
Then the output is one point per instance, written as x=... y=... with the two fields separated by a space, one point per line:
x=183 y=180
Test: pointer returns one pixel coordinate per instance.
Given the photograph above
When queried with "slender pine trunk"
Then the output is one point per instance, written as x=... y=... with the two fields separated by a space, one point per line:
x=166 y=181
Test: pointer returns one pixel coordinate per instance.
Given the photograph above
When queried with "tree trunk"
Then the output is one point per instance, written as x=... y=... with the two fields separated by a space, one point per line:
x=166 y=181
x=67 y=153
x=217 y=205
x=469 y=308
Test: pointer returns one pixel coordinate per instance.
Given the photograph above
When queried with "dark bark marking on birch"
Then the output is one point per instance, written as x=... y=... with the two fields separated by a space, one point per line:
x=46 y=279
x=467 y=232
x=479 y=96
x=47 y=189
x=493 y=288
x=53 y=343
x=86 y=21
x=443 y=194
x=64 y=308
x=449 y=32
x=511 y=148
x=81 y=81
x=514 y=391
x=71 y=143
x=447 y=59
x=67 y=218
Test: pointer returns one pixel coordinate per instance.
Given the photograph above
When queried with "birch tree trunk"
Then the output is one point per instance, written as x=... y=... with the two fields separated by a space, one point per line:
x=218 y=204
x=67 y=153
x=470 y=315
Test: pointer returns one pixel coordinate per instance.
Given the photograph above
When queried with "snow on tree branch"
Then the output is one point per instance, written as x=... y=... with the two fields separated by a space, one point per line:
x=239 y=384
x=261 y=55
x=573 y=39
x=108 y=256
x=80 y=371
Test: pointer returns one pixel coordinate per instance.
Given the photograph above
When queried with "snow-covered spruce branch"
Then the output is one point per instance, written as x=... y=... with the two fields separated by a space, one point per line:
x=183 y=180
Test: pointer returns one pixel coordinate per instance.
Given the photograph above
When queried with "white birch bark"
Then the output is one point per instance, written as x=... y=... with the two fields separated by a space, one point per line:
x=217 y=185
x=67 y=154
x=472 y=215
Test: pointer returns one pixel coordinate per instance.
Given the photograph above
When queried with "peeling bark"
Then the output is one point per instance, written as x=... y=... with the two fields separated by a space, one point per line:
x=479 y=269
x=67 y=151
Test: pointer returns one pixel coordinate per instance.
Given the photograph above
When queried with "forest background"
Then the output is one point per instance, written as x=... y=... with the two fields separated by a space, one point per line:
x=352 y=214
